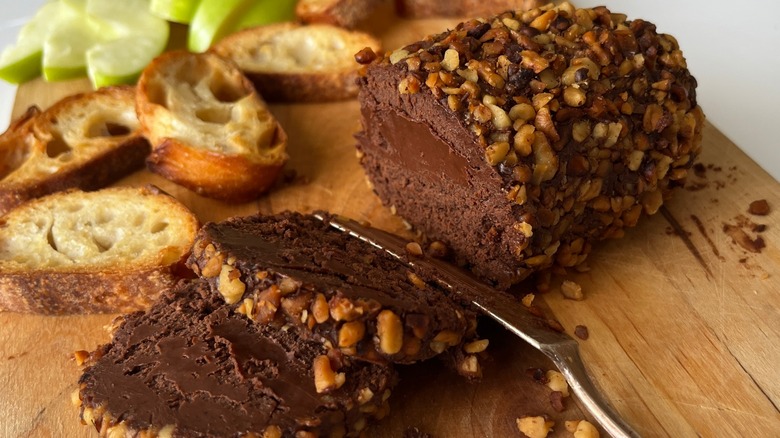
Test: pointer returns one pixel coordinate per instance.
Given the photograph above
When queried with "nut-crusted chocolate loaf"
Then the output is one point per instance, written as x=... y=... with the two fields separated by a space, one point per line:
x=522 y=139
x=191 y=367
x=296 y=269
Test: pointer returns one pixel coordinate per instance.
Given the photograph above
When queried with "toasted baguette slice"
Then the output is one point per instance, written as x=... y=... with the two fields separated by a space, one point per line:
x=210 y=131
x=84 y=141
x=293 y=62
x=344 y=13
x=462 y=8
x=113 y=250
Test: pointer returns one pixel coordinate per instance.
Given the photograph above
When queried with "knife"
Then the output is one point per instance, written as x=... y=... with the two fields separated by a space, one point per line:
x=562 y=349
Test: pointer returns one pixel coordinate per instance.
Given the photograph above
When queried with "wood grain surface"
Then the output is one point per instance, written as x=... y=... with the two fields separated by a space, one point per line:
x=684 y=321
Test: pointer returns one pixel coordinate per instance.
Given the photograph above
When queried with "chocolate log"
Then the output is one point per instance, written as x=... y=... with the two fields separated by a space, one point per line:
x=522 y=139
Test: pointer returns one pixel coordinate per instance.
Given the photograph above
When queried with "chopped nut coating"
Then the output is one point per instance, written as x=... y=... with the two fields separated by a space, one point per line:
x=230 y=285
x=390 y=332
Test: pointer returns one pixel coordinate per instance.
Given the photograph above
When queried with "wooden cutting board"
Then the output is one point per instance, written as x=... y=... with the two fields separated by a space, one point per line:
x=684 y=322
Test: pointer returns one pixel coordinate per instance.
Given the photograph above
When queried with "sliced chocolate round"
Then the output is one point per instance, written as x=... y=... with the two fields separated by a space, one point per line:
x=190 y=366
x=297 y=269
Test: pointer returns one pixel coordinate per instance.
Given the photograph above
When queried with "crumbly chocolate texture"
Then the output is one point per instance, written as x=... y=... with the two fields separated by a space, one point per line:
x=295 y=269
x=192 y=367
x=522 y=139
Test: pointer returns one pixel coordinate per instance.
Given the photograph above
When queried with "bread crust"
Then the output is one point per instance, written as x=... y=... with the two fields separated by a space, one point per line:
x=306 y=87
x=61 y=293
x=236 y=160
x=344 y=13
x=229 y=178
x=331 y=77
x=54 y=261
x=76 y=129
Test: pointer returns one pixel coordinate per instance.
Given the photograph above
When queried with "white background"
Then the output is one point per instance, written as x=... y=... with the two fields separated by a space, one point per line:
x=731 y=48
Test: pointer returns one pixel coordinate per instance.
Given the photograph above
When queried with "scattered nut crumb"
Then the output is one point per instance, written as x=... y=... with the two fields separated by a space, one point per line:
x=557 y=382
x=581 y=332
x=75 y=398
x=414 y=248
x=534 y=427
x=365 y=56
x=759 y=207
x=477 y=346
x=81 y=357
x=437 y=249
x=528 y=299
x=571 y=290
x=582 y=429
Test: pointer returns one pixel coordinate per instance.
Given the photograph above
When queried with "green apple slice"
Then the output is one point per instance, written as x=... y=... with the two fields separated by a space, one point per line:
x=21 y=61
x=140 y=37
x=77 y=6
x=267 y=12
x=178 y=11
x=216 y=18
x=212 y=20
x=20 y=64
x=121 y=61
x=111 y=41
x=64 y=51
x=124 y=17
x=71 y=35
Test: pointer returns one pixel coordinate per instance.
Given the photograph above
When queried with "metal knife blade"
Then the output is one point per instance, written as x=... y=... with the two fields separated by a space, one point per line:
x=559 y=347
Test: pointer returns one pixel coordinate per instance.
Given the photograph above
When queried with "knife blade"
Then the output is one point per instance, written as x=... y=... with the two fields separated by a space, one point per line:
x=559 y=347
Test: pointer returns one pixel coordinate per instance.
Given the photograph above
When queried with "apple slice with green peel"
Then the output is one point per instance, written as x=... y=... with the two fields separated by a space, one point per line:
x=22 y=61
x=178 y=11
x=125 y=17
x=216 y=18
x=71 y=35
x=121 y=61
x=111 y=41
x=212 y=20
x=65 y=49
x=19 y=64
x=267 y=12
x=140 y=37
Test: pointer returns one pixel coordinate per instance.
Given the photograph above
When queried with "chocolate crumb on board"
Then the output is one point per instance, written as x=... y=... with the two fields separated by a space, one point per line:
x=741 y=238
x=759 y=207
x=738 y=234
x=700 y=170
x=581 y=332
x=538 y=374
x=697 y=186
x=556 y=401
